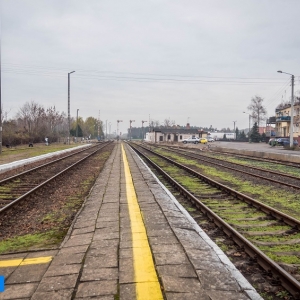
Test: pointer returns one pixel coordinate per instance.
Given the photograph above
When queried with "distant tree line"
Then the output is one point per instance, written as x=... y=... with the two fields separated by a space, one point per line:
x=33 y=123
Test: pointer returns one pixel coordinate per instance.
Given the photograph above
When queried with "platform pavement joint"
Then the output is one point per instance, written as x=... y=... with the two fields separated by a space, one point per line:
x=96 y=259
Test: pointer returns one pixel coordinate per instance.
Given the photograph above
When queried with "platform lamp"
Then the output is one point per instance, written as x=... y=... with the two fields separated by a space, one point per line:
x=69 y=106
x=143 y=129
x=130 y=121
x=77 y=126
x=118 y=121
x=292 y=108
x=249 y=125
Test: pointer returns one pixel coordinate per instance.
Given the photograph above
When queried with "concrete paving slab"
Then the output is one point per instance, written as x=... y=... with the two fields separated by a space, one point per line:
x=216 y=280
x=57 y=283
x=181 y=285
x=99 y=274
x=94 y=289
x=60 y=270
x=187 y=296
x=28 y=273
x=127 y=291
x=57 y=295
x=68 y=259
x=217 y=295
x=105 y=297
x=73 y=250
x=83 y=230
x=105 y=261
x=126 y=273
x=182 y=270
x=18 y=291
x=174 y=259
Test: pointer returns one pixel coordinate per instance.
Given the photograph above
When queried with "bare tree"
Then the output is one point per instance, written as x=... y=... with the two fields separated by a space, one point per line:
x=53 y=120
x=154 y=123
x=258 y=111
x=169 y=123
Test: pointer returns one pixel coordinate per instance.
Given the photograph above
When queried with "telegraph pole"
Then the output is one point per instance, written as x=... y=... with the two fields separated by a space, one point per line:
x=69 y=106
x=99 y=126
x=234 y=128
x=118 y=121
x=143 y=129
x=130 y=128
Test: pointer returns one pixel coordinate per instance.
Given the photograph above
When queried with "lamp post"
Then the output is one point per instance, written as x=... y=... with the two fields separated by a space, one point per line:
x=292 y=108
x=130 y=121
x=118 y=121
x=69 y=106
x=249 y=125
x=234 y=128
x=106 y=129
x=77 y=126
x=143 y=129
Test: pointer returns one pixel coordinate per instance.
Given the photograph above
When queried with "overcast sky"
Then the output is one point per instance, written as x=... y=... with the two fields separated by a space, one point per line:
x=200 y=61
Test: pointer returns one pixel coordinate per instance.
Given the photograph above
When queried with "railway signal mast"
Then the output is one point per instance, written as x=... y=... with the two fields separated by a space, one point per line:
x=143 y=129
x=130 y=128
x=118 y=121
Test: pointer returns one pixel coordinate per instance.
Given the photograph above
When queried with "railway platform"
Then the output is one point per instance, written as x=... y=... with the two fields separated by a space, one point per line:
x=131 y=240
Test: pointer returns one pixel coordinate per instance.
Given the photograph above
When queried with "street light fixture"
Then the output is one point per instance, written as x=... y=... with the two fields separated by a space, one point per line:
x=69 y=106
x=130 y=121
x=143 y=129
x=292 y=108
x=234 y=129
x=118 y=121
x=249 y=125
x=77 y=126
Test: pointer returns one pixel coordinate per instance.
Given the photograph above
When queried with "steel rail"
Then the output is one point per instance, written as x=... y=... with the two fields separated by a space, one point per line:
x=255 y=203
x=286 y=280
x=44 y=165
x=279 y=162
x=244 y=172
x=49 y=180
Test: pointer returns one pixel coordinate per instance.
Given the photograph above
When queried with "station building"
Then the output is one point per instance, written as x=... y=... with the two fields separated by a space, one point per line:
x=173 y=134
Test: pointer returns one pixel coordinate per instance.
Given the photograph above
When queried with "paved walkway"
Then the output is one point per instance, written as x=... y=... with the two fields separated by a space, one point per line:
x=107 y=254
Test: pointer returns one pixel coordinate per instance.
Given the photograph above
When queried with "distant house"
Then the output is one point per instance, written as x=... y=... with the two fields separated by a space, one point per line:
x=173 y=134
x=283 y=120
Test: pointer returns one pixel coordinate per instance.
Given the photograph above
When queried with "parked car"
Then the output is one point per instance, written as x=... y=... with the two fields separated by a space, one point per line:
x=210 y=139
x=203 y=141
x=285 y=141
x=193 y=140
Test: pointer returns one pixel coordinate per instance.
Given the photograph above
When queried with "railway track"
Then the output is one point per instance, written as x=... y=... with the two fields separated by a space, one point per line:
x=264 y=174
x=280 y=162
x=263 y=232
x=16 y=188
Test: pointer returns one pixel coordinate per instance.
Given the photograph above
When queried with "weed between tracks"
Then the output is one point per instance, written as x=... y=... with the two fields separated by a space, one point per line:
x=256 y=225
x=281 y=199
x=47 y=229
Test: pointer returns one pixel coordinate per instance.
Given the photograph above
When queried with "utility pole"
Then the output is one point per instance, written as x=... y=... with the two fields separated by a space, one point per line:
x=234 y=128
x=106 y=129
x=118 y=121
x=292 y=109
x=77 y=126
x=143 y=129
x=69 y=106
x=98 y=137
x=130 y=128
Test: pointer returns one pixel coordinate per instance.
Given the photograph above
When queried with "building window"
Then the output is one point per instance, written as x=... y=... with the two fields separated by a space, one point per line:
x=180 y=137
x=169 y=136
x=161 y=138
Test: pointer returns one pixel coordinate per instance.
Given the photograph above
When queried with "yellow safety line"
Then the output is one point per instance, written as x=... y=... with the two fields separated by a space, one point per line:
x=24 y=262
x=147 y=285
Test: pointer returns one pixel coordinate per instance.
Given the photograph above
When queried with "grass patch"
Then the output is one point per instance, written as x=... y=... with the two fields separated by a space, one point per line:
x=32 y=241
